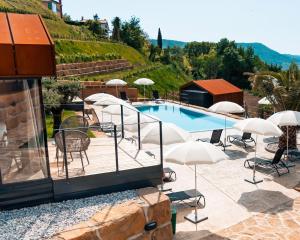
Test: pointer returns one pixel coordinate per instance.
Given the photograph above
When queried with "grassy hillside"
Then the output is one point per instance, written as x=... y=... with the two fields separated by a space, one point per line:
x=57 y=27
x=73 y=51
x=166 y=77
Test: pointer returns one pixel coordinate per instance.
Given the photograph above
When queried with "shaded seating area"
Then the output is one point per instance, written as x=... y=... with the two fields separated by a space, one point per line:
x=276 y=164
x=215 y=138
x=245 y=139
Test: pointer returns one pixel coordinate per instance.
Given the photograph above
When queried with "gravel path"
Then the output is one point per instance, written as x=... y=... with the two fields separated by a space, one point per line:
x=42 y=222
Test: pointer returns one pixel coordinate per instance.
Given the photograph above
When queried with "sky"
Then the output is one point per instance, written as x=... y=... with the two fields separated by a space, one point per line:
x=274 y=23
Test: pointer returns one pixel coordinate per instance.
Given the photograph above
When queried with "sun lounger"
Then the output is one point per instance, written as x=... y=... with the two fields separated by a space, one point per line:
x=245 y=138
x=276 y=163
x=123 y=96
x=186 y=195
x=215 y=138
x=156 y=97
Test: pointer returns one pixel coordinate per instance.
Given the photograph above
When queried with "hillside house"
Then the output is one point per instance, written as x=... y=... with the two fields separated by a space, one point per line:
x=54 y=6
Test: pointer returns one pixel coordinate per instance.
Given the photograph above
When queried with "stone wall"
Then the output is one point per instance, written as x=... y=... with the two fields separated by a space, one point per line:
x=91 y=68
x=127 y=221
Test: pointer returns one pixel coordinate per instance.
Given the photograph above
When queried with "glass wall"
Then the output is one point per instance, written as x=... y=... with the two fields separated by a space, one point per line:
x=22 y=146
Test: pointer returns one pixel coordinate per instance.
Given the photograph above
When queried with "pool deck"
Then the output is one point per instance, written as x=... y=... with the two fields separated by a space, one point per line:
x=230 y=201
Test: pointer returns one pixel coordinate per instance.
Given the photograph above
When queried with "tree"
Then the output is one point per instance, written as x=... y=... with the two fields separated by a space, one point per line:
x=56 y=95
x=96 y=17
x=67 y=17
x=132 y=34
x=95 y=27
x=282 y=89
x=153 y=53
x=159 y=39
x=116 y=33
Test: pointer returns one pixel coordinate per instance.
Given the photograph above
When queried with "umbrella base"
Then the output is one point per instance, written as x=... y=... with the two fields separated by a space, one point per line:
x=253 y=181
x=195 y=218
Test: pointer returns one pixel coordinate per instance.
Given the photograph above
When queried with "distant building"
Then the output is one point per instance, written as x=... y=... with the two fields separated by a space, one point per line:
x=103 y=23
x=54 y=6
x=208 y=92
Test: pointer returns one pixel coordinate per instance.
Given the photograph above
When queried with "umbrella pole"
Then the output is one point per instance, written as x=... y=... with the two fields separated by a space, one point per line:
x=253 y=181
x=193 y=217
x=225 y=141
x=144 y=93
x=287 y=142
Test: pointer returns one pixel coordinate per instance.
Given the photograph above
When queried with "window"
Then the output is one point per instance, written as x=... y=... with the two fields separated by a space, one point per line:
x=22 y=146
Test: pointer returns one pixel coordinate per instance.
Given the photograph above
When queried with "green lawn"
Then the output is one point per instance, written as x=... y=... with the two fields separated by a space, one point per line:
x=69 y=50
x=66 y=114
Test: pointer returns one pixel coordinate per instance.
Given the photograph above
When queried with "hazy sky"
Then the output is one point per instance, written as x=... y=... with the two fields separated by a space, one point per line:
x=275 y=23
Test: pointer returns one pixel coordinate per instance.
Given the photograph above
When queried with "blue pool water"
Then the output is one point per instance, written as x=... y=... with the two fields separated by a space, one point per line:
x=191 y=121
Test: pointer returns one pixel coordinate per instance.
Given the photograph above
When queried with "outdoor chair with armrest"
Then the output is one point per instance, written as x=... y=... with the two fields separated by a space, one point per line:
x=245 y=138
x=76 y=142
x=276 y=163
x=215 y=138
x=75 y=122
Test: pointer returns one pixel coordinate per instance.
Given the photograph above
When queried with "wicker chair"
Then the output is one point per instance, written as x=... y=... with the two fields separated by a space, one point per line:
x=75 y=122
x=76 y=142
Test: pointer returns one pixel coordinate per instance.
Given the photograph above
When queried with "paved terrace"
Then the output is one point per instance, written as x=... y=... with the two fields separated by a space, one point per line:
x=232 y=204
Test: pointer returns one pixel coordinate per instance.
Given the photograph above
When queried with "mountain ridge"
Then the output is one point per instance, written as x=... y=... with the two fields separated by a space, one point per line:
x=267 y=54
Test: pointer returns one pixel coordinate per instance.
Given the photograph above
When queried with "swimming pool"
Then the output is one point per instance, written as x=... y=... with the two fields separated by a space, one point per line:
x=191 y=121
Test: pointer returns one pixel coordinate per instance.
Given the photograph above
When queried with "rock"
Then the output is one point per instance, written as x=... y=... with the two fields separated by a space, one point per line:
x=157 y=205
x=120 y=222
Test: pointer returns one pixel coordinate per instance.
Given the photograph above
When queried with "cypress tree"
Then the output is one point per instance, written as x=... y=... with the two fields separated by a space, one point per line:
x=159 y=39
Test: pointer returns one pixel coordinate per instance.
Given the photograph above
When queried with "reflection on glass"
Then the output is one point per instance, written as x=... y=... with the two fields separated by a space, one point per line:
x=22 y=147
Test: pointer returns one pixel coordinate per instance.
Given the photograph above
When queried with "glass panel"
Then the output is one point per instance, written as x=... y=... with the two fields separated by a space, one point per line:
x=22 y=147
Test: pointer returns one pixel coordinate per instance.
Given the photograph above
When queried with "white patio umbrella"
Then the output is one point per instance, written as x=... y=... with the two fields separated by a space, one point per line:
x=109 y=101
x=286 y=118
x=257 y=126
x=170 y=132
x=116 y=110
x=98 y=97
x=131 y=122
x=195 y=153
x=116 y=83
x=226 y=107
x=144 y=82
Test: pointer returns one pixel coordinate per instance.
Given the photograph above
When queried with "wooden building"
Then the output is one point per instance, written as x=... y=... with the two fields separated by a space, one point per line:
x=208 y=92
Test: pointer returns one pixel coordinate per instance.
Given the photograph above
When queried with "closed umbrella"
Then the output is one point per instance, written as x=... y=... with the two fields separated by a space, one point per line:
x=144 y=82
x=226 y=107
x=131 y=122
x=99 y=96
x=116 y=83
x=170 y=132
x=257 y=126
x=195 y=153
x=286 y=118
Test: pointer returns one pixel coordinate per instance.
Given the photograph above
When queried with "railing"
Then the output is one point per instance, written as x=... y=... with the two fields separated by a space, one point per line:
x=116 y=144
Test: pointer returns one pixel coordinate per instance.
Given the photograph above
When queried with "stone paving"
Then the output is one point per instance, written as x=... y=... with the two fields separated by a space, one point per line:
x=282 y=222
